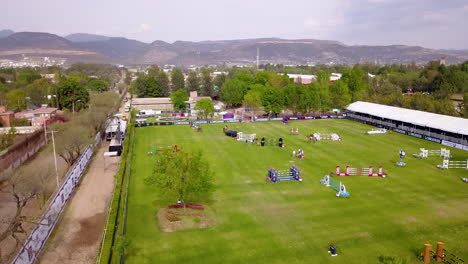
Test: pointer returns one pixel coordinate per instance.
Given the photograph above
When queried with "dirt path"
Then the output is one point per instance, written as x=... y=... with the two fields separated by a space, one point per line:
x=78 y=234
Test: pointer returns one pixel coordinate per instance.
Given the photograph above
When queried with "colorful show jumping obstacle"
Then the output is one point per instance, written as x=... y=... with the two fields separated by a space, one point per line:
x=246 y=137
x=359 y=172
x=402 y=156
x=272 y=142
x=337 y=186
x=377 y=131
x=433 y=152
x=441 y=255
x=293 y=174
x=453 y=164
x=294 y=132
x=331 y=136
x=159 y=150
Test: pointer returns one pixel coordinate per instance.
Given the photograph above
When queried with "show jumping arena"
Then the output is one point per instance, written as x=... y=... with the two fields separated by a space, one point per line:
x=251 y=220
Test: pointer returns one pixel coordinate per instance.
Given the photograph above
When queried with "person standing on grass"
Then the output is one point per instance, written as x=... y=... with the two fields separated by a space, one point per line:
x=332 y=250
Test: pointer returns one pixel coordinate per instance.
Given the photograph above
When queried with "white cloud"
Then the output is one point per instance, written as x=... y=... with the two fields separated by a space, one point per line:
x=144 y=27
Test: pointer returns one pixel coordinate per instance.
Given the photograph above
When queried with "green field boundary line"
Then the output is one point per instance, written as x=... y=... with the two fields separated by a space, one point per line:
x=112 y=224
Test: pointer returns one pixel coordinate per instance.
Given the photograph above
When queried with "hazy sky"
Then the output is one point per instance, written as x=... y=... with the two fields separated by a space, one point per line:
x=428 y=23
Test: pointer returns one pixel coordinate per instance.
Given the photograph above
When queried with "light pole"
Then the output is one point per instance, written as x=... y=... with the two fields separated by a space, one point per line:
x=55 y=157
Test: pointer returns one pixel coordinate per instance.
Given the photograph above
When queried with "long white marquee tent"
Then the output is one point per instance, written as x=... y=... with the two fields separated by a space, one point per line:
x=451 y=124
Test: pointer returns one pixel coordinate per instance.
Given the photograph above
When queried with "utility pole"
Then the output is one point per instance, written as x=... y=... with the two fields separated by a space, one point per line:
x=45 y=131
x=55 y=157
x=258 y=57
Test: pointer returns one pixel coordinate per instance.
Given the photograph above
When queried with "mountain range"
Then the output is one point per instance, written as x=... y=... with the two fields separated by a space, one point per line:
x=83 y=47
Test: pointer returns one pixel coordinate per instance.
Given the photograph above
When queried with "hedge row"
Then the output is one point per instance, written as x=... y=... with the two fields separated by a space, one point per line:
x=115 y=219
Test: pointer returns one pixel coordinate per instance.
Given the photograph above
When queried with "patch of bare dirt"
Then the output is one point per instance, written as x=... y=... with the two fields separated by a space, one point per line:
x=89 y=232
x=173 y=220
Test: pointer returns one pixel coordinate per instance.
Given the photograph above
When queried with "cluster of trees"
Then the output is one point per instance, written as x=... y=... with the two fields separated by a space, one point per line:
x=433 y=86
x=275 y=93
x=75 y=135
x=156 y=83
x=27 y=89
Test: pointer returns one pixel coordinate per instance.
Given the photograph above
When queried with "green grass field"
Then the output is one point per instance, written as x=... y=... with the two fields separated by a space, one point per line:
x=293 y=222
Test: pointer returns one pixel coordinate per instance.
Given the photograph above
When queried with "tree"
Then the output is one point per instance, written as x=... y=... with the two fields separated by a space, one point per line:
x=183 y=177
x=339 y=95
x=37 y=91
x=206 y=108
x=178 y=99
x=355 y=79
x=177 y=79
x=147 y=86
x=71 y=140
x=219 y=80
x=207 y=82
x=193 y=82
x=465 y=103
x=293 y=97
x=153 y=71
x=253 y=100
x=6 y=140
x=98 y=85
x=16 y=100
x=27 y=76
x=72 y=94
x=163 y=83
x=21 y=187
x=233 y=91
x=273 y=100
x=323 y=84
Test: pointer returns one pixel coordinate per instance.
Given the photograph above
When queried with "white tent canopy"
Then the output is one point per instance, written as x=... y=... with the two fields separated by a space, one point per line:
x=443 y=122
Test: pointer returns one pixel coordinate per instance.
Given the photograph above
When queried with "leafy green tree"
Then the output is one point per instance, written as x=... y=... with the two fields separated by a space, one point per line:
x=178 y=99
x=253 y=100
x=219 y=80
x=339 y=95
x=355 y=78
x=177 y=79
x=147 y=86
x=206 y=82
x=465 y=105
x=37 y=91
x=162 y=82
x=97 y=85
x=273 y=100
x=233 y=91
x=16 y=99
x=323 y=84
x=27 y=76
x=153 y=71
x=193 y=82
x=206 y=108
x=293 y=94
x=72 y=93
x=181 y=177
x=445 y=107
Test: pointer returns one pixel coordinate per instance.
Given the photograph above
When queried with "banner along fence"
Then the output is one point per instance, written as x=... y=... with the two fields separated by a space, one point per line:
x=144 y=124
x=39 y=235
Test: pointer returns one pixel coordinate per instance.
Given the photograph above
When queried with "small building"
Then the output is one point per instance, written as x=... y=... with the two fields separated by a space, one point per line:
x=193 y=99
x=302 y=78
x=6 y=117
x=160 y=103
x=38 y=116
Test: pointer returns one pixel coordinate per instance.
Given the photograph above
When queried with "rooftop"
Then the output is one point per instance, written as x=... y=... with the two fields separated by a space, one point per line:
x=451 y=124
